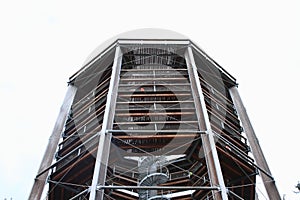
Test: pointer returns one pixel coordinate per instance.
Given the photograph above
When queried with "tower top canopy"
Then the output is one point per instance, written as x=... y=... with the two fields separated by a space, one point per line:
x=138 y=34
x=143 y=37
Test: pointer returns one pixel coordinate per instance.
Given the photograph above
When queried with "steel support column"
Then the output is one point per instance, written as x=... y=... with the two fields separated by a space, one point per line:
x=210 y=151
x=105 y=137
x=39 y=182
x=259 y=157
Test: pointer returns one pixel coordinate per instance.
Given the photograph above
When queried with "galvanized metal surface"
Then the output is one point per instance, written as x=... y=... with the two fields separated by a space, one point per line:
x=210 y=150
x=158 y=187
x=104 y=140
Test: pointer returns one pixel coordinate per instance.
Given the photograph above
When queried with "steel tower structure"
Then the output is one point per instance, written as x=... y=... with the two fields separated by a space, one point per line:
x=151 y=116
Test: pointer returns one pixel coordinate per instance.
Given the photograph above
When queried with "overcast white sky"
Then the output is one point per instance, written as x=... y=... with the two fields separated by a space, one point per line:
x=42 y=43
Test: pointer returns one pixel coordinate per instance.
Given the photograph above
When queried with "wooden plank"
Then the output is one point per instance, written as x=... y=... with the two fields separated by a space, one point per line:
x=151 y=102
x=158 y=122
x=259 y=157
x=123 y=137
x=154 y=114
x=152 y=84
x=120 y=110
x=152 y=79
x=38 y=186
x=154 y=95
x=124 y=178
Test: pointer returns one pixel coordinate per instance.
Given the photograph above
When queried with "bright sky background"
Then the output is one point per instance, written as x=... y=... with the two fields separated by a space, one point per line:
x=42 y=43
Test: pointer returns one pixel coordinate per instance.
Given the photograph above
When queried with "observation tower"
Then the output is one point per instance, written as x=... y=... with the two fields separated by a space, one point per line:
x=151 y=116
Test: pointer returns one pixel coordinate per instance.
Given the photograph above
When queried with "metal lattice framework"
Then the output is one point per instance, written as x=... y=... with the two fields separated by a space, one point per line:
x=152 y=118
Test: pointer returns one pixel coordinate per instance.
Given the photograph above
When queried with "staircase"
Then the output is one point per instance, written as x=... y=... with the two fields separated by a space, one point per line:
x=152 y=173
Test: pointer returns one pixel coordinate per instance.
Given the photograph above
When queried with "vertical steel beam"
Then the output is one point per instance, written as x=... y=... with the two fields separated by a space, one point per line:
x=209 y=147
x=39 y=183
x=105 y=136
x=259 y=157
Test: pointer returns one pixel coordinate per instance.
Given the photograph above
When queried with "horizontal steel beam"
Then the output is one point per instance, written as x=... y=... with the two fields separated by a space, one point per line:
x=159 y=187
x=153 y=41
x=156 y=136
x=155 y=131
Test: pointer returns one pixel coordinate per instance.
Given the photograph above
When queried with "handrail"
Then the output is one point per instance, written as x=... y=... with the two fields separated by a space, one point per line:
x=233 y=146
x=68 y=154
x=250 y=161
x=217 y=92
x=89 y=93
